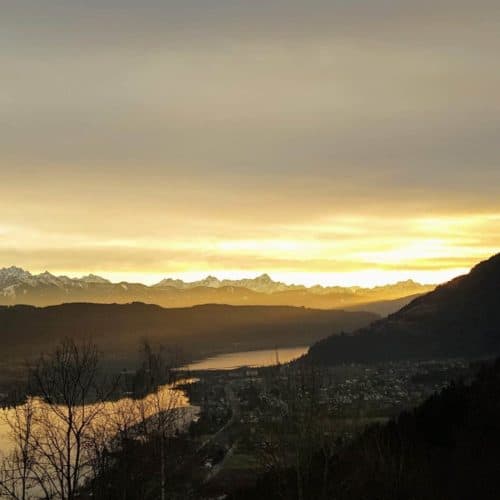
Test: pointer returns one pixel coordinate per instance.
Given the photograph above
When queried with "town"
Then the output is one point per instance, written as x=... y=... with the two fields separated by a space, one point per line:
x=246 y=414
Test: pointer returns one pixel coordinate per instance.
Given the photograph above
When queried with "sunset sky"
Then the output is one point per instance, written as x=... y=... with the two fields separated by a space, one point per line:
x=333 y=142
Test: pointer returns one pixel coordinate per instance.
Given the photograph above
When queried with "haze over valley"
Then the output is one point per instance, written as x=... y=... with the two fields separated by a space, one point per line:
x=18 y=286
x=196 y=332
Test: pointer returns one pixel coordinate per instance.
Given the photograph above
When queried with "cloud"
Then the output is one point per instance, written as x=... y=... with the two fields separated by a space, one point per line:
x=346 y=246
x=225 y=122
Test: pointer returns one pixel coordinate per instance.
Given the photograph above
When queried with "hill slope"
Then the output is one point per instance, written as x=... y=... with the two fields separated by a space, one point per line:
x=459 y=318
x=198 y=331
x=445 y=449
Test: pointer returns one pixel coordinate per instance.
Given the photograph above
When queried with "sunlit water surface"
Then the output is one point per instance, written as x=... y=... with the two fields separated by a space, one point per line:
x=111 y=416
x=264 y=357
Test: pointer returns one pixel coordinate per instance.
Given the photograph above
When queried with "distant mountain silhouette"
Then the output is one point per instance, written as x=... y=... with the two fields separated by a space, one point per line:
x=118 y=329
x=384 y=307
x=459 y=318
x=262 y=283
x=18 y=286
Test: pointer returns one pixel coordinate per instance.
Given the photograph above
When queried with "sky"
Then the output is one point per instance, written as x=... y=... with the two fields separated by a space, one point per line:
x=333 y=142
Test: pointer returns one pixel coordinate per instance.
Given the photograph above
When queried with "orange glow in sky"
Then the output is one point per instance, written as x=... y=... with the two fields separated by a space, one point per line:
x=320 y=142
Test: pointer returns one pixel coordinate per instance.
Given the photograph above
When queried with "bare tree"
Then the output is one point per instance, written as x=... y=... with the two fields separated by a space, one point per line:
x=17 y=476
x=71 y=401
x=67 y=431
x=298 y=430
x=147 y=418
x=160 y=411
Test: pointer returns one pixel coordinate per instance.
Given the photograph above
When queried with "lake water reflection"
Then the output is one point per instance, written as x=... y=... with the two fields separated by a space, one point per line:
x=112 y=416
x=264 y=357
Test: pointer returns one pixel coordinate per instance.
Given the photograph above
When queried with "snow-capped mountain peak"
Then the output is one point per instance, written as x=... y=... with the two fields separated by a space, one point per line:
x=13 y=275
x=17 y=279
x=93 y=278
x=18 y=286
x=13 y=271
x=263 y=283
x=264 y=278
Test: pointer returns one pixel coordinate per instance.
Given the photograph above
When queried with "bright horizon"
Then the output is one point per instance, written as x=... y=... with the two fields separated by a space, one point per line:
x=366 y=279
x=367 y=251
x=363 y=279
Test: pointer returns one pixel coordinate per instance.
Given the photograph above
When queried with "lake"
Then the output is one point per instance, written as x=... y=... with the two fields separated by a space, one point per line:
x=230 y=361
x=113 y=416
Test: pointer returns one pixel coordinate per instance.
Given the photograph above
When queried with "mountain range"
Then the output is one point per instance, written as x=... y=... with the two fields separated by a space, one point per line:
x=18 y=286
x=460 y=318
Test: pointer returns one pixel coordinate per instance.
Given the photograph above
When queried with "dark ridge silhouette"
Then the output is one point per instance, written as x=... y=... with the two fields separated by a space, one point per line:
x=199 y=331
x=458 y=318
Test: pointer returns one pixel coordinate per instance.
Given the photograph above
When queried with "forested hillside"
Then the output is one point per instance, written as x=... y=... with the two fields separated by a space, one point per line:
x=445 y=449
x=459 y=318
